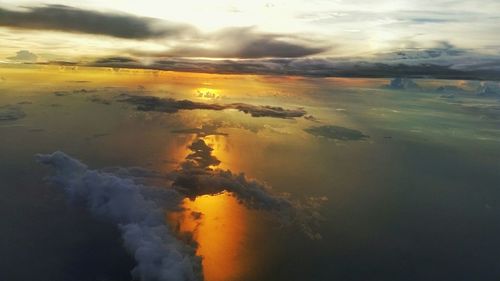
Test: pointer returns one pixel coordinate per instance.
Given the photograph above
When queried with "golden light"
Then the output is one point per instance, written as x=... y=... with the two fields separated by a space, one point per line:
x=207 y=93
x=218 y=225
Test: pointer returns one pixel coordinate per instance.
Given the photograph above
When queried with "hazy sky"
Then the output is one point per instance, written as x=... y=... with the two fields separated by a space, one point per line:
x=446 y=32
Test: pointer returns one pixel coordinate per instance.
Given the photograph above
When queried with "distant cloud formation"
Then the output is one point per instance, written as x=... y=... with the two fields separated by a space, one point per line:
x=70 y=19
x=336 y=133
x=439 y=68
x=205 y=130
x=170 y=105
x=154 y=43
x=489 y=89
x=24 y=56
x=241 y=42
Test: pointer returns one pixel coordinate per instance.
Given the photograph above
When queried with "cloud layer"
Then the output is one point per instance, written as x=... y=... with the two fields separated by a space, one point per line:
x=170 y=105
x=24 y=56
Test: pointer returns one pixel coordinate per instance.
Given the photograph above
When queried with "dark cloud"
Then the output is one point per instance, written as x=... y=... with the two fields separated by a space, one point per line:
x=11 y=113
x=24 y=56
x=139 y=210
x=117 y=60
x=336 y=132
x=170 y=105
x=70 y=19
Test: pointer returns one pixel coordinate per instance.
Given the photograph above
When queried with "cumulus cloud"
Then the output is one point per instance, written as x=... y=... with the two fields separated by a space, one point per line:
x=139 y=210
x=159 y=254
x=170 y=105
x=70 y=19
x=336 y=132
x=24 y=56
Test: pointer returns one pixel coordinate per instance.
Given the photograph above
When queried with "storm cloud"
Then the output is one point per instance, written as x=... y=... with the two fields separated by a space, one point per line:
x=70 y=19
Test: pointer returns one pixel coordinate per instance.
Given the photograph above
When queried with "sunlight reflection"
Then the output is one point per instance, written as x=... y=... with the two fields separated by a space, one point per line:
x=218 y=226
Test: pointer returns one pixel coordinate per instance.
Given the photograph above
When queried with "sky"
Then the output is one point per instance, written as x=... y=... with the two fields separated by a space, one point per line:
x=440 y=38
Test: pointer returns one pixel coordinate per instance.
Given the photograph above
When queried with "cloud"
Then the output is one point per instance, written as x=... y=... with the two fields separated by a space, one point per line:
x=198 y=175
x=170 y=105
x=139 y=210
x=11 y=113
x=244 y=42
x=237 y=42
x=24 y=56
x=71 y=19
x=450 y=89
x=117 y=60
x=205 y=130
x=401 y=83
x=489 y=89
x=336 y=132
x=159 y=254
x=466 y=67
